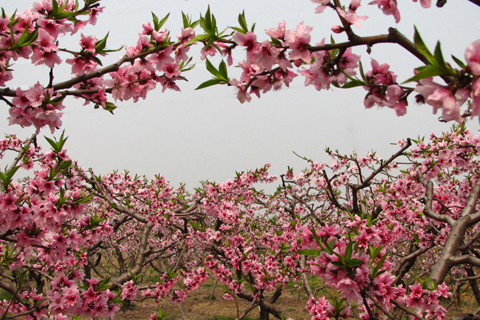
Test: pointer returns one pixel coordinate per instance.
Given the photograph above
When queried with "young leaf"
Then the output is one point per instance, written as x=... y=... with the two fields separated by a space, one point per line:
x=100 y=45
x=243 y=22
x=223 y=70
x=425 y=72
x=209 y=83
x=186 y=20
x=440 y=61
x=309 y=252
x=110 y=107
x=212 y=69
x=199 y=37
x=352 y=84
x=162 y=22
x=459 y=62
x=422 y=48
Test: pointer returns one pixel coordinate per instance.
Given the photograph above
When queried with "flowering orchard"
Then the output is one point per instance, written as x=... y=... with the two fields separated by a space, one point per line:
x=392 y=237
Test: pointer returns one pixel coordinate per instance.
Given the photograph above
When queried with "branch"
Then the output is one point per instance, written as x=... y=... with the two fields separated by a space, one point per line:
x=464 y=259
x=428 y=205
x=475 y=2
x=139 y=261
x=472 y=200
x=399 y=153
x=33 y=138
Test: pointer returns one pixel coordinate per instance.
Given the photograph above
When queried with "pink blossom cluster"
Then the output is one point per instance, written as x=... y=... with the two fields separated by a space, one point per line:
x=383 y=90
x=35 y=35
x=450 y=98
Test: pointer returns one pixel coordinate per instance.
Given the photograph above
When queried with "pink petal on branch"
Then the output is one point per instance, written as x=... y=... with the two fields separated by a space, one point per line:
x=472 y=56
x=298 y=42
x=389 y=7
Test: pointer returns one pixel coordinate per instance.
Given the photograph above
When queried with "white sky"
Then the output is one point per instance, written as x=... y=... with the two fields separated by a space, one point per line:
x=192 y=135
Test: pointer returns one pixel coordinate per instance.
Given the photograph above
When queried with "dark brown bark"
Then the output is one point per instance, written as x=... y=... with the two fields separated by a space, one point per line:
x=473 y=283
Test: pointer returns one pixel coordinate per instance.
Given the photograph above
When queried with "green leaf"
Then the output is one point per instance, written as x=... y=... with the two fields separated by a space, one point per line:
x=97 y=60
x=65 y=15
x=7 y=177
x=110 y=107
x=425 y=72
x=20 y=42
x=459 y=62
x=378 y=266
x=86 y=199
x=199 y=37
x=209 y=83
x=316 y=237
x=65 y=165
x=331 y=244
x=155 y=22
x=348 y=251
x=352 y=84
x=207 y=22
x=100 y=45
x=243 y=22
x=223 y=70
x=439 y=57
x=186 y=20
x=212 y=69
x=422 y=48
x=309 y=252
x=162 y=22
x=277 y=42
x=237 y=29
x=338 y=264
x=54 y=7
x=361 y=71
x=354 y=262
x=102 y=286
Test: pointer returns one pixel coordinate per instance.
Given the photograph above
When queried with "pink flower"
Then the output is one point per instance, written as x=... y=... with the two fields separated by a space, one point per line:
x=278 y=33
x=228 y=297
x=389 y=7
x=298 y=42
x=322 y=5
x=425 y=3
x=186 y=35
x=242 y=94
x=441 y=97
x=472 y=56
x=88 y=43
x=266 y=56
x=248 y=40
x=171 y=69
x=36 y=95
x=475 y=95
x=351 y=17
x=51 y=26
x=45 y=41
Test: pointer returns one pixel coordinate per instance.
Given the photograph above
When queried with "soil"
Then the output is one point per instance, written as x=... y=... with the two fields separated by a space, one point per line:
x=200 y=305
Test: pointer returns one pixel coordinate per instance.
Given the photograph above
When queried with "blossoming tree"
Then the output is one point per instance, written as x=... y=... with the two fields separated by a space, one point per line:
x=74 y=243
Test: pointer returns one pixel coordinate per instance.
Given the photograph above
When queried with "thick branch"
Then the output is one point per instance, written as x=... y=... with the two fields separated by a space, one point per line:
x=472 y=200
x=263 y=304
x=428 y=205
x=393 y=36
x=139 y=261
x=306 y=282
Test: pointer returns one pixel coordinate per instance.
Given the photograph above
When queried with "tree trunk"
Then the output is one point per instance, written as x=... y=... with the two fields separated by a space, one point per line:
x=473 y=283
x=264 y=314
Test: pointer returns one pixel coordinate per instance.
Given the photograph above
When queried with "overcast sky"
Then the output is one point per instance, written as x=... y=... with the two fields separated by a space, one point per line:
x=191 y=136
